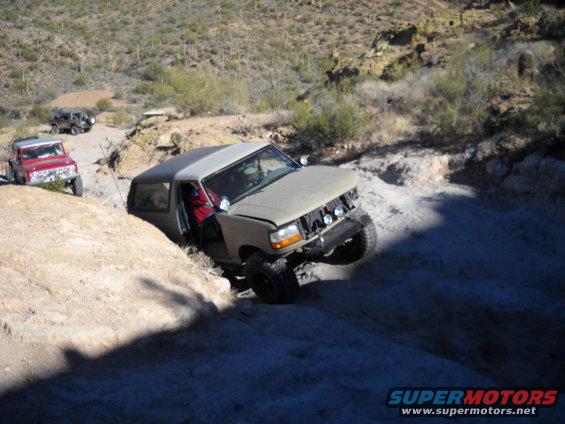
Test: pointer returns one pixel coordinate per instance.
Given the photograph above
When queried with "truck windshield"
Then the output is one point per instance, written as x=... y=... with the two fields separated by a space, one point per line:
x=43 y=151
x=249 y=175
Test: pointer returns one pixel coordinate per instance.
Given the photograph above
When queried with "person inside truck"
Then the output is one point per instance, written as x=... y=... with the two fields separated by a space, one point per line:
x=202 y=210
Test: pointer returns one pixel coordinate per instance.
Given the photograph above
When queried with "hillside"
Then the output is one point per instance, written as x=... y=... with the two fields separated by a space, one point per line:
x=78 y=275
x=273 y=47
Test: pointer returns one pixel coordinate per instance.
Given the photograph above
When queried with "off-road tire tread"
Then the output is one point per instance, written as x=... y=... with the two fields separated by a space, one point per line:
x=77 y=187
x=276 y=268
x=366 y=240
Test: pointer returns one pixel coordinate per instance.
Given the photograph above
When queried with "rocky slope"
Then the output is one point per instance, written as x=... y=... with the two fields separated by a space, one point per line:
x=78 y=275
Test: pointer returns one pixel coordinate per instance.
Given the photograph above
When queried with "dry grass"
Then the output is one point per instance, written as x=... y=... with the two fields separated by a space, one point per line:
x=391 y=127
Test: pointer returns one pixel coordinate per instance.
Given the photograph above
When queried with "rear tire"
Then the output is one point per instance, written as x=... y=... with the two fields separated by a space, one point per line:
x=55 y=129
x=76 y=185
x=270 y=278
x=75 y=130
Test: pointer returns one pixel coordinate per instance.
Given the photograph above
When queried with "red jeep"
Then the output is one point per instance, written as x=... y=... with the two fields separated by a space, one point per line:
x=35 y=161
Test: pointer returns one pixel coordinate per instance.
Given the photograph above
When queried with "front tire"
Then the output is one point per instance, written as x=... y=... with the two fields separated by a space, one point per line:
x=75 y=130
x=270 y=278
x=76 y=186
x=9 y=173
x=55 y=129
x=362 y=244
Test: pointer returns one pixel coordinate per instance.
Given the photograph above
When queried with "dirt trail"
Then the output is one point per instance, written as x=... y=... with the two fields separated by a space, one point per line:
x=84 y=99
x=90 y=148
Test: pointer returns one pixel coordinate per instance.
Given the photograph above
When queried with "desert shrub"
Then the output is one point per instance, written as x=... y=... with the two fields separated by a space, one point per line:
x=545 y=113
x=57 y=186
x=40 y=113
x=26 y=128
x=161 y=92
x=457 y=105
x=201 y=91
x=531 y=6
x=23 y=86
x=118 y=95
x=270 y=99
x=154 y=72
x=407 y=96
x=144 y=88
x=121 y=117
x=104 y=104
x=80 y=80
x=4 y=122
x=400 y=68
x=329 y=120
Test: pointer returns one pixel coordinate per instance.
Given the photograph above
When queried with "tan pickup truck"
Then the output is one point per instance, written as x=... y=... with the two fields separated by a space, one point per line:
x=256 y=212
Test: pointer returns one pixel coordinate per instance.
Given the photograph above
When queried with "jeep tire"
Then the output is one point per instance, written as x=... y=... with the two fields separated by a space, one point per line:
x=270 y=278
x=76 y=186
x=9 y=173
x=362 y=244
x=55 y=129
x=75 y=130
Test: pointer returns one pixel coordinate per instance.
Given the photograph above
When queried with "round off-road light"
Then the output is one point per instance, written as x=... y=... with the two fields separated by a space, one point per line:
x=328 y=219
x=338 y=212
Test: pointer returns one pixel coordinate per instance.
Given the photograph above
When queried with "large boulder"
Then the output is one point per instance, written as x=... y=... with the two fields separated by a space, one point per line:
x=412 y=168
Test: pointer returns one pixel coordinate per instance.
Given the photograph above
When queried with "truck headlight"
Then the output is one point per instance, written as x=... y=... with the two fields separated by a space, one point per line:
x=285 y=236
x=328 y=219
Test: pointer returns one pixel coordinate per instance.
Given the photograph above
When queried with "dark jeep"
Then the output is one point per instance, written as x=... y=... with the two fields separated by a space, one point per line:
x=74 y=122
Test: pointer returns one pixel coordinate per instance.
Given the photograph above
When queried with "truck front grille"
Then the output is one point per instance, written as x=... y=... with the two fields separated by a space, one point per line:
x=313 y=222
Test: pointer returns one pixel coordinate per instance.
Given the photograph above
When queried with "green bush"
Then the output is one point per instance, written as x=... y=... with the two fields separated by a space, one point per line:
x=104 y=104
x=40 y=113
x=457 y=107
x=80 y=80
x=118 y=95
x=154 y=72
x=200 y=91
x=23 y=86
x=4 y=122
x=545 y=113
x=398 y=69
x=332 y=120
x=57 y=186
x=26 y=128
x=121 y=117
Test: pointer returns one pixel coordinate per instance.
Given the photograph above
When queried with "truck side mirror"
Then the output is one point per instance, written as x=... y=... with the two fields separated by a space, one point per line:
x=304 y=160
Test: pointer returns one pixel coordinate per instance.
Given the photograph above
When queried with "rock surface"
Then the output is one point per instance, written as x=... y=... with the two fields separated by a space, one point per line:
x=76 y=274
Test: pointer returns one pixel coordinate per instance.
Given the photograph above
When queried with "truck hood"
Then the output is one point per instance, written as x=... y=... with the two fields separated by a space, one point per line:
x=44 y=164
x=296 y=194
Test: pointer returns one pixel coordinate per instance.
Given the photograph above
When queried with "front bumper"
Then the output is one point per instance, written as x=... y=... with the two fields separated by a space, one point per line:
x=336 y=235
x=51 y=179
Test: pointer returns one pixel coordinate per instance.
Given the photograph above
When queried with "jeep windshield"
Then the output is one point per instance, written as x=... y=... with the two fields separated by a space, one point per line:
x=42 y=151
x=249 y=175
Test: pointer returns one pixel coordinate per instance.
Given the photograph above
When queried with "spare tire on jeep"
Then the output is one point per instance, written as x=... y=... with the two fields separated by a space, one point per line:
x=270 y=278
